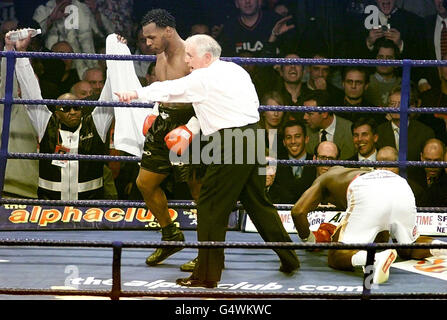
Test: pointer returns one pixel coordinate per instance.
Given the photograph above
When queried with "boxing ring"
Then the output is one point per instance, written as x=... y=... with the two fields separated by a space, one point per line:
x=51 y=264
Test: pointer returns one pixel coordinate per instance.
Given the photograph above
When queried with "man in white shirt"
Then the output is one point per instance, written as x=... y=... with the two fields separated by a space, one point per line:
x=223 y=97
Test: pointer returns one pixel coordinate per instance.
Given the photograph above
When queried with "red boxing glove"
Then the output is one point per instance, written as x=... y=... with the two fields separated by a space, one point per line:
x=148 y=122
x=324 y=232
x=179 y=139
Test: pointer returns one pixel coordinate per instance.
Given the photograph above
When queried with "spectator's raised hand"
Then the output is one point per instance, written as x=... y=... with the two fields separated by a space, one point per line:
x=373 y=35
x=58 y=11
x=9 y=44
x=281 y=27
x=19 y=45
x=394 y=35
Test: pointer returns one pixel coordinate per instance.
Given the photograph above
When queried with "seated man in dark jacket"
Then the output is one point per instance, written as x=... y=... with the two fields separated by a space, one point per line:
x=291 y=181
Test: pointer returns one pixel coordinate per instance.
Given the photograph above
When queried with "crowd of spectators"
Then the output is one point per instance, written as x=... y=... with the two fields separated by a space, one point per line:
x=372 y=29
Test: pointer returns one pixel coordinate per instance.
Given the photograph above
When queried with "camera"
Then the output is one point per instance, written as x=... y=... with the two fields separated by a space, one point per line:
x=386 y=28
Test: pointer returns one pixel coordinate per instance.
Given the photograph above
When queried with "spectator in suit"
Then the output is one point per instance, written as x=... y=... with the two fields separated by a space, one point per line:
x=327 y=126
x=325 y=150
x=70 y=74
x=291 y=86
x=434 y=36
x=96 y=78
x=364 y=134
x=432 y=180
x=82 y=89
x=418 y=133
x=355 y=81
x=271 y=121
x=403 y=28
x=319 y=78
x=436 y=97
x=385 y=77
x=290 y=182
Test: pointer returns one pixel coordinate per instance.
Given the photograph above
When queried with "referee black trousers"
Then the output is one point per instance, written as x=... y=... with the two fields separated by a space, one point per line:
x=223 y=185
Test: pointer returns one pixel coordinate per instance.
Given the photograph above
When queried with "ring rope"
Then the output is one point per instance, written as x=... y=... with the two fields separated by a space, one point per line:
x=218 y=244
x=364 y=109
x=438 y=164
x=223 y=294
x=171 y=204
x=238 y=60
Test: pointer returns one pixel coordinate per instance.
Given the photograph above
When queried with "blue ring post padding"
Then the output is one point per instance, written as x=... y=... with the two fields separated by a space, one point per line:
x=116 y=270
x=403 y=123
x=10 y=64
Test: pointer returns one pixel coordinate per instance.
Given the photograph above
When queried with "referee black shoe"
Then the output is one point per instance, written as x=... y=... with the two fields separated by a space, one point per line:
x=168 y=233
x=196 y=283
x=190 y=265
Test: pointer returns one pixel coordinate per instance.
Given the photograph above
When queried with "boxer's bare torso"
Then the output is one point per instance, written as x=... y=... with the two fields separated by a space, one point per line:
x=170 y=50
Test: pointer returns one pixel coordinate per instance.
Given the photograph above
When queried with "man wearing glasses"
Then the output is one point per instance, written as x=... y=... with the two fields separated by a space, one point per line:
x=325 y=150
x=66 y=131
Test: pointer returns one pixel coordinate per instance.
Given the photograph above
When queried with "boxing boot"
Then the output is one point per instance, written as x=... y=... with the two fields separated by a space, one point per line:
x=168 y=233
x=382 y=264
x=189 y=266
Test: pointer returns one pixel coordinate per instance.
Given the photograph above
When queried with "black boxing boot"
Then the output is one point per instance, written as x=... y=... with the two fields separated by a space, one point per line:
x=189 y=266
x=168 y=233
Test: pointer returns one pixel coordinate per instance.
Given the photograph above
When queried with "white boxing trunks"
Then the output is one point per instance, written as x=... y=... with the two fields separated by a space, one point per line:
x=377 y=201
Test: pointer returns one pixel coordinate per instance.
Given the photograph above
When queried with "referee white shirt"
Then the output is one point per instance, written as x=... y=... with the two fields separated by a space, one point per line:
x=222 y=94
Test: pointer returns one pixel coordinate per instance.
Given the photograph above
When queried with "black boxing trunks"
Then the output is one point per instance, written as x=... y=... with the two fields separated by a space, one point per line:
x=155 y=156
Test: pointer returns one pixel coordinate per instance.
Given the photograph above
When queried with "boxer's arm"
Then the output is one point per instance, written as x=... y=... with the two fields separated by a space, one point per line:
x=309 y=201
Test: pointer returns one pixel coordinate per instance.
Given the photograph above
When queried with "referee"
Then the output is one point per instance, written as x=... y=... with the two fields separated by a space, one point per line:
x=226 y=104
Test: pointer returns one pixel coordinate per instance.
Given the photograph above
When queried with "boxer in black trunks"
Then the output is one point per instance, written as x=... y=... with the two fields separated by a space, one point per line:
x=164 y=41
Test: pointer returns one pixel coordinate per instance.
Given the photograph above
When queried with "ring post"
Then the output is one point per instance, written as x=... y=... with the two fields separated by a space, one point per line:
x=403 y=122
x=10 y=64
x=369 y=272
x=116 y=270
